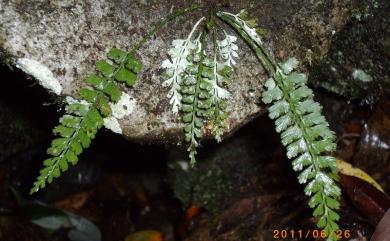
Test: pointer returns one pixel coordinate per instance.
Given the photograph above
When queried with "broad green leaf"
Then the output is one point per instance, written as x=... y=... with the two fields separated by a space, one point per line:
x=319 y=210
x=76 y=146
x=187 y=118
x=84 y=139
x=187 y=108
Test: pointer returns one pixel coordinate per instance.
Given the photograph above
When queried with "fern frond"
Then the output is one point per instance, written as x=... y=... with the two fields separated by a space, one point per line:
x=196 y=101
x=84 y=118
x=221 y=78
x=76 y=130
x=303 y=130
x=175 y=68
x=198 y=83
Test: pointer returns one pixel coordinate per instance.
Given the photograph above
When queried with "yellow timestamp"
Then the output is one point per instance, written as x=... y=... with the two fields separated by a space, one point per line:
x=310 y=233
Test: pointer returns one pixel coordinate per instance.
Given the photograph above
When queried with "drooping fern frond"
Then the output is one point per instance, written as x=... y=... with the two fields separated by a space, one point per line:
x=227 y=50
x=198 y=82
x=307 y=138
x=84 y=118
x=303 y=130
x=176 y=66
x=196 y=99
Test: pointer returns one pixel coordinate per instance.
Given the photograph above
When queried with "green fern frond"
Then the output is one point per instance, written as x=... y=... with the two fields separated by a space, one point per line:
x=84 y=118
x=303 y=130
x=307 y=137
x=76 y=130
x=196 y=102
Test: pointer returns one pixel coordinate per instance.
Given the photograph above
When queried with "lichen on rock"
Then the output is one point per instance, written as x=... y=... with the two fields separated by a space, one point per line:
x=41 y=73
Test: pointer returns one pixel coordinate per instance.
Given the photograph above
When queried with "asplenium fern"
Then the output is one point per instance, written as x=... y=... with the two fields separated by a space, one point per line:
x=176 y=66
x=198 y=76
x=304 y=131
x=197 y=82
x=84 y=118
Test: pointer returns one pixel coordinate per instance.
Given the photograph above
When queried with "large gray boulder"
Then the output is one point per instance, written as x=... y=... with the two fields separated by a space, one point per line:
x=58 y=41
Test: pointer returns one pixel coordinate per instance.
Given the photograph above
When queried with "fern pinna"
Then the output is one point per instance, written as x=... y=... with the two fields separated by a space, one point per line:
x=84 y=118
x=304 y=131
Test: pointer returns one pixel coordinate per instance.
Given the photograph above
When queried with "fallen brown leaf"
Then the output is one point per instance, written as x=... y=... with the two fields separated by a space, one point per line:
x=146 y=235
x=73 y=202
x=365 y=197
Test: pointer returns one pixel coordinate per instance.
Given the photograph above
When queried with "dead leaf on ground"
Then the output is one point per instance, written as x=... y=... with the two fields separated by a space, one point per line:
x=365 y=197
x=347 y=169
x=73 y=202
x=146 y=235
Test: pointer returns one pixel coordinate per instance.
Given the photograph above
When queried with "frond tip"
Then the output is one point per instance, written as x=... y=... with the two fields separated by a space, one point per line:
x=76 y=130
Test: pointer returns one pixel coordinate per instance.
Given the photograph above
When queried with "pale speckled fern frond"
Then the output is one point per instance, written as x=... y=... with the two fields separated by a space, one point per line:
x=198 y=83
x=177 y=64
x=303 y=130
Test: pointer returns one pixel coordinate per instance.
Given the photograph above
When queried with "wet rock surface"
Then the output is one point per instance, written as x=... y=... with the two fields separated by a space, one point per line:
x=65 y=38
x=357 y=65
